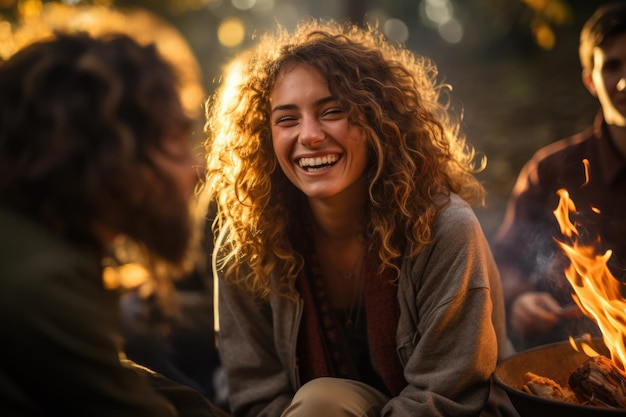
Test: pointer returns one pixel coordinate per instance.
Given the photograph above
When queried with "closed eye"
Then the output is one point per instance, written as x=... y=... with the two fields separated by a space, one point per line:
x=285 y=120
x=333 y=113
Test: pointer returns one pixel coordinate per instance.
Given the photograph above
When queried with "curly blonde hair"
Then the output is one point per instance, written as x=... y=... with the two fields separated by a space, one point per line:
x=416 y=153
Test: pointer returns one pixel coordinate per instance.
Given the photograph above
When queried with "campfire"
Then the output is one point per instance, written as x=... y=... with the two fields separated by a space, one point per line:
x=600 y=380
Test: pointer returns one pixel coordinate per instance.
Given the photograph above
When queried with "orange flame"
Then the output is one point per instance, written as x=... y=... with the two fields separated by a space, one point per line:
x=586 y=165
x=597 y=291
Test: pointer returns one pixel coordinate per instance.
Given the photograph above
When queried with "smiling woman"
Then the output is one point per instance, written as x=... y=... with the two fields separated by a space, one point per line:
x=316 y=146
x=353 y=275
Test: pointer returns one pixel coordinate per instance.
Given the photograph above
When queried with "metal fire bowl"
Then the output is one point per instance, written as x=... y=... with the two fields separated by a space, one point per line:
x=555 y=361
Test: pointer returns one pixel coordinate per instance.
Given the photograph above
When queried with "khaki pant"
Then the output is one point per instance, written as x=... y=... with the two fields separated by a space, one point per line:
x=335 y=397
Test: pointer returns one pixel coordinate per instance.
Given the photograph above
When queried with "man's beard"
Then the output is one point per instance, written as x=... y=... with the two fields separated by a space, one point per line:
x=164 y=226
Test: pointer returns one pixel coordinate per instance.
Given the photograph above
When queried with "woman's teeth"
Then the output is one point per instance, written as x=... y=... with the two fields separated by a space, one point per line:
x=314 y=164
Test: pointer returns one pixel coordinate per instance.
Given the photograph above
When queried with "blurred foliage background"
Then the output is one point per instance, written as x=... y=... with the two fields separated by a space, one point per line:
x=513 y=64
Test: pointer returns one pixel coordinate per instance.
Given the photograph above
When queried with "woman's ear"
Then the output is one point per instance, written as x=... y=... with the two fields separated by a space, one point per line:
x=588 y=82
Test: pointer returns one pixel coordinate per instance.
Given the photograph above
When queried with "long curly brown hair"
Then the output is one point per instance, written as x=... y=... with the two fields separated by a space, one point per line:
x=416 y=153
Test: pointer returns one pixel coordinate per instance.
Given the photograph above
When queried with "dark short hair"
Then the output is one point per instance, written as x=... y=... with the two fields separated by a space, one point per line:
x=606 y=22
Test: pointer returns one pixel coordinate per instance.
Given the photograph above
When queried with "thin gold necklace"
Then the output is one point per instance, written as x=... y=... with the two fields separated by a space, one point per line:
x=354 y=269
x=350 y=272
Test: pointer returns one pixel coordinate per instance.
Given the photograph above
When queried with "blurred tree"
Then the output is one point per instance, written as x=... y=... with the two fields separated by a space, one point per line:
x=36 y=20
x=527 y=21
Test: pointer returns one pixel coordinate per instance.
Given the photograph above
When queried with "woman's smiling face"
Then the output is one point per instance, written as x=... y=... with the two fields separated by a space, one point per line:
x=318 y=149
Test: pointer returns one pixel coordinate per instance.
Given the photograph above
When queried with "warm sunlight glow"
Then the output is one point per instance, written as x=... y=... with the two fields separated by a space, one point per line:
x=29 y=8
x=144 y=26
x=597 y=291
x=125 y=276
x=544 y=35
x=231 y=32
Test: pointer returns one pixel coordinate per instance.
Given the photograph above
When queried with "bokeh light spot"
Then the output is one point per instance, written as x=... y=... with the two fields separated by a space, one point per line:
x=29 y=8
x=6 y=40
x=396 y=29
x=544 y=36
x=243 y=4
x=451 y=31
x=231 y=32
x=436 y=12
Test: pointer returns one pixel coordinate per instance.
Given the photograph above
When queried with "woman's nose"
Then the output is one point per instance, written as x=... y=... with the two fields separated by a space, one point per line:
x=311 y=132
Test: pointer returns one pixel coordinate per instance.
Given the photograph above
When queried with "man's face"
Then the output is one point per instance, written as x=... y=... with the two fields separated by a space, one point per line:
x=607 y=79
x=166 y=227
